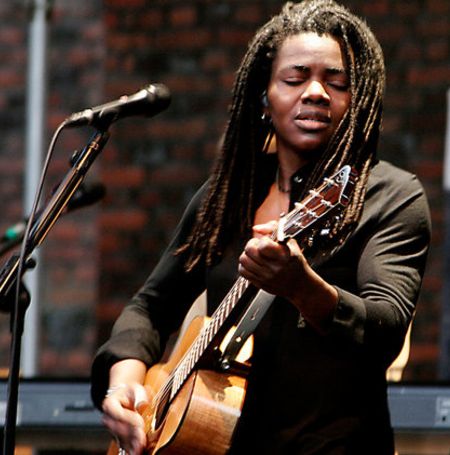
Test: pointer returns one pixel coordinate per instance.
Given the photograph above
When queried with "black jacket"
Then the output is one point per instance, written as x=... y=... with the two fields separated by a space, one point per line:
x=308 y=393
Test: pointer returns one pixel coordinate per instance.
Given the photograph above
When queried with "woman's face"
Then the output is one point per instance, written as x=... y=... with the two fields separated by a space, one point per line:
x=308 y=94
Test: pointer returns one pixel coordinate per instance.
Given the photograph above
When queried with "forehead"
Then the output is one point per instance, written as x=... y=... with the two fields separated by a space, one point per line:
x=310 y=49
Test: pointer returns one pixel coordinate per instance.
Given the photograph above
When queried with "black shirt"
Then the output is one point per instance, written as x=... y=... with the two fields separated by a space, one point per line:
x=308 y=393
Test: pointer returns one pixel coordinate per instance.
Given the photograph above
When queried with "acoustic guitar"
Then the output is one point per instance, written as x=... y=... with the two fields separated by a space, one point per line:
x=195 y=404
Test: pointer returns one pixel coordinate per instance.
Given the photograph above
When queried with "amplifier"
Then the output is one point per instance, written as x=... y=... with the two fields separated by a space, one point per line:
x=56 y=414
x=424 y=407
x=420 y=415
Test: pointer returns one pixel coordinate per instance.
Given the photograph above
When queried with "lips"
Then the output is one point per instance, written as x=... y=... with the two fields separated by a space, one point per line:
x=313 y=119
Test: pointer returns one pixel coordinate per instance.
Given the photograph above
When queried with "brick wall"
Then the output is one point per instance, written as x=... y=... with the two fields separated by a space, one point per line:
x=69 y=259
x=97 y=258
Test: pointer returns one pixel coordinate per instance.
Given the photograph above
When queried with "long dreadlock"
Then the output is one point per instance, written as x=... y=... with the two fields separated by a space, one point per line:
x=230 y=200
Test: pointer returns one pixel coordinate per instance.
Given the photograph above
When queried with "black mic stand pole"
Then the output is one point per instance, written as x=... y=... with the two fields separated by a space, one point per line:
x=9 y=275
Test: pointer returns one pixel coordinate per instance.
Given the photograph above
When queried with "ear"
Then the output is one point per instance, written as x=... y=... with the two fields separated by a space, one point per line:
x=264 y=99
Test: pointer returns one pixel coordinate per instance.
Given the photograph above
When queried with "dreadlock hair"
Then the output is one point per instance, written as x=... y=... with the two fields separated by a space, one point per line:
x=230 y=199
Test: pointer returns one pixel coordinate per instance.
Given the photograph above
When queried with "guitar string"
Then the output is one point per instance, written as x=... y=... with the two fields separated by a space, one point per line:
x=203 y=335
x=167 y=389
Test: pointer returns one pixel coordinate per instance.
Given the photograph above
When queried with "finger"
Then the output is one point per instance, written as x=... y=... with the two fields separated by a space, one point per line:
x=274 y=252
x=254 y=278
x=119 y=407
x=262 y=249
x=252 y=253
x=265 y=229
x=139 y=441
x=249 y=266
x=128 y=429
x=114 y=411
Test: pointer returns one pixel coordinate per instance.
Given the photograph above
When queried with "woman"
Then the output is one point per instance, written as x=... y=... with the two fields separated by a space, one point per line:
x=313 y=77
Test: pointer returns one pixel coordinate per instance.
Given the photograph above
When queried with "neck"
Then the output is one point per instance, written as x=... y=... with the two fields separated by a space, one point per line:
x=283 y=186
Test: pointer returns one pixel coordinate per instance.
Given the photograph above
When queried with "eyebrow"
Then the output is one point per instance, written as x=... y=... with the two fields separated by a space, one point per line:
x=331 y=70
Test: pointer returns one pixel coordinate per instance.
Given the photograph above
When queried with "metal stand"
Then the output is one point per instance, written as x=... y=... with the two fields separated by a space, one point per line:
x=9 y=275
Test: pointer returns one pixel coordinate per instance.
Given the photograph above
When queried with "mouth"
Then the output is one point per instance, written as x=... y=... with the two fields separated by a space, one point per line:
x=313 y=119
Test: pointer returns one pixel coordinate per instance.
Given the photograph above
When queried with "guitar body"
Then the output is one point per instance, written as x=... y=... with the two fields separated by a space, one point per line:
x=202 y=417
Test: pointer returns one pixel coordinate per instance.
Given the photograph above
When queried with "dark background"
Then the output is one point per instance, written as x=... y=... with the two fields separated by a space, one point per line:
x=94 y=259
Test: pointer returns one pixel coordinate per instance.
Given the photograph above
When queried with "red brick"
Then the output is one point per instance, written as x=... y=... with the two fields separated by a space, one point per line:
x=438 y=7
x=251 y=14
x=376 y=8
x=236 y=37
x=11 y=79
x=438 y=51
x=215 y=60
x=151 y=20
x=125 y=220
x=123 y=177
x=185 y=15
x=436 y=27
x=424 y=352
x=406 y=8
x=125 y=3
x=176 y=175
x=189 y=85
x=12 y=36
x=183 y=39
x=439 y=74
x=193 y=128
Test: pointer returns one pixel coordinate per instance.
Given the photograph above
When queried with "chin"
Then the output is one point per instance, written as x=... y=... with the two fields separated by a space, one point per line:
x=312 y=142
x=309 y=149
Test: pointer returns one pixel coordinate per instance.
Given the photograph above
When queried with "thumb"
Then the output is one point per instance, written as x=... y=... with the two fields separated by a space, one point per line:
x=140 y=397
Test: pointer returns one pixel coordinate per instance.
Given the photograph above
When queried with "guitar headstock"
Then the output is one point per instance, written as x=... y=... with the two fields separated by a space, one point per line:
x=334 y=192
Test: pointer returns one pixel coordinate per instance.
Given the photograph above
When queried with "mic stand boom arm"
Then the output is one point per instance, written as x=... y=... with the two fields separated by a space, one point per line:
x=54 y=208
x=9 y=273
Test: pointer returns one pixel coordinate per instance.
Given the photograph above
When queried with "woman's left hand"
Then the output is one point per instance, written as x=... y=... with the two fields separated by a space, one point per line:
x=278 y=268
x=282 y=269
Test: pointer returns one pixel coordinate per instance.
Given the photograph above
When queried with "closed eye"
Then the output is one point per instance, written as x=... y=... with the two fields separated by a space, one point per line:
x=343 y=86
x=294 y=82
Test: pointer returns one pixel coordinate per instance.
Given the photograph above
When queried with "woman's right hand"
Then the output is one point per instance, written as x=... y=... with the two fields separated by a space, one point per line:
x=121 y=417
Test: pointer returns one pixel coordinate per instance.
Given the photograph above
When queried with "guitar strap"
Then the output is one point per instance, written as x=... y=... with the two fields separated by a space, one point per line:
x=246 y=326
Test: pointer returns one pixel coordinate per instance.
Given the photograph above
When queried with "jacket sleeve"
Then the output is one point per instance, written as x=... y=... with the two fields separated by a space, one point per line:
x=154 y=312
x=389 y=269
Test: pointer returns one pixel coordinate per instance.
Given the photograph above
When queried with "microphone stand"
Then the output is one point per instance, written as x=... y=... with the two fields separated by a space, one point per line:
x=9 y=274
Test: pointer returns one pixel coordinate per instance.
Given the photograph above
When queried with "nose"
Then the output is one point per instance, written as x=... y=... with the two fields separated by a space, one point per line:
x=315 y=93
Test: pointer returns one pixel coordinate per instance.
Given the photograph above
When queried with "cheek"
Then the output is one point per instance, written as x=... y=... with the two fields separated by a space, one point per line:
x=341 y=106
x=281 y=99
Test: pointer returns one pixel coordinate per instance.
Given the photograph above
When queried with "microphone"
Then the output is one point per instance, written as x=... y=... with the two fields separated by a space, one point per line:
x=86 y=194
x=149 y=101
